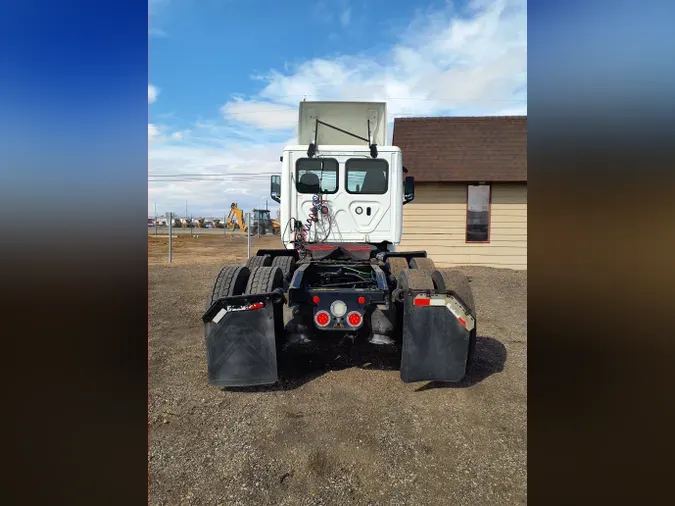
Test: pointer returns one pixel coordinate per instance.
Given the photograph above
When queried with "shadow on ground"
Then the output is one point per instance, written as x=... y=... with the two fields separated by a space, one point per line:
x=297 y=368
x=490 y=357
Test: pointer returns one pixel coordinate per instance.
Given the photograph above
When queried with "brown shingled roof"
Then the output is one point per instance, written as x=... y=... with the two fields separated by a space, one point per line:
x=489 y=148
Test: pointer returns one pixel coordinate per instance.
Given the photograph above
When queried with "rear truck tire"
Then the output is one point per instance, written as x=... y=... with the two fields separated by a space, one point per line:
x=264 y=279
x=423 y=264
x=414 y=279
x=259 y=261
x=231 y=280
x=458 y=282
x=396 y=265
x=285 y=263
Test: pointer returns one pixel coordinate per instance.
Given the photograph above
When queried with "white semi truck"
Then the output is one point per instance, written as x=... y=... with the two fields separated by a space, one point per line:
x=338 y=272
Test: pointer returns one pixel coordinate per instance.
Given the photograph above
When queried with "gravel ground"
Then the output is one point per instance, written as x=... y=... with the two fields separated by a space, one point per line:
x=341 y=428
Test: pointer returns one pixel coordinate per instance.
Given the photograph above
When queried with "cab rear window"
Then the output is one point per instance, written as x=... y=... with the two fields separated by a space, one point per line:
x=316 y=175
x=367 y=176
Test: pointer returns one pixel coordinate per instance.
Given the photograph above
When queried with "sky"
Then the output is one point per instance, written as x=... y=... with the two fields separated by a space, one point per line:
x=226 y=77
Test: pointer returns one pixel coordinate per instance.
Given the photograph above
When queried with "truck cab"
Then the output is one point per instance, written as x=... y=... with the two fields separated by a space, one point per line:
x=360 y=187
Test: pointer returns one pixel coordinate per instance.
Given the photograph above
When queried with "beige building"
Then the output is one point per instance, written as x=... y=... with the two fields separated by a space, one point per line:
x=470 y=204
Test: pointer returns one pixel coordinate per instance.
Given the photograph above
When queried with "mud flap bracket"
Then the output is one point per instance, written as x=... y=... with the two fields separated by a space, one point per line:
x=241 y=340
x=436 y=328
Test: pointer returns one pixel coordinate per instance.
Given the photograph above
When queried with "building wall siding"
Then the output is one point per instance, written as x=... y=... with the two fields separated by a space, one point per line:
x=436 y=222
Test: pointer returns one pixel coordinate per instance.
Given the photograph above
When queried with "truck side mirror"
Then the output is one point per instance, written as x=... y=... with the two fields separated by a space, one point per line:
x=275 y=190
x=408 y=189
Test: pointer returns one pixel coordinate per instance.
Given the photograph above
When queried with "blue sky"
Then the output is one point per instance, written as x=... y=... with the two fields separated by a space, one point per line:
x=226 y=76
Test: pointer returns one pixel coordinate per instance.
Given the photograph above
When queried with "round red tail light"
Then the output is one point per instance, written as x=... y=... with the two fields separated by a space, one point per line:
x=354 y=319
x=322 y=318
x=362 y=300
x=315 y=299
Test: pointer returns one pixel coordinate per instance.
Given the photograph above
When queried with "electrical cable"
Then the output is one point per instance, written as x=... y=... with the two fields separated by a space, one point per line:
x=319 y=204
x=286 y=228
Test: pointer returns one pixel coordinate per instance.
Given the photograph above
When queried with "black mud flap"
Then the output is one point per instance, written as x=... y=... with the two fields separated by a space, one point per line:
x=436 y=330
x=240 y=340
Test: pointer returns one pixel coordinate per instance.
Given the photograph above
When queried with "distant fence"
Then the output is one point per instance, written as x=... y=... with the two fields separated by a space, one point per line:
x=194 y=229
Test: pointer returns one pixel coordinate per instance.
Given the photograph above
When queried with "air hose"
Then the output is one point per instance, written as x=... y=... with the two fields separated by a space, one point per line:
x=318 y=206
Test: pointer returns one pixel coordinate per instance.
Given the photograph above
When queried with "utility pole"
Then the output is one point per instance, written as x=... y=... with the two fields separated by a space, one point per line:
x=186 y=217
x=248 y=234
x=169 y=217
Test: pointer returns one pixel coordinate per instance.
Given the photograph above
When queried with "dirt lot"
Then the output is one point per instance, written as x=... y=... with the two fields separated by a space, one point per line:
x=341 y=428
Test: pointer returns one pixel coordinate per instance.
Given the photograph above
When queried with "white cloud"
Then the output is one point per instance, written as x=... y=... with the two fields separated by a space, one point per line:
x=153 y=91
x=262 y=114
x=177 y=136
x=220 y=170
x=444 y=64
x=475 y=64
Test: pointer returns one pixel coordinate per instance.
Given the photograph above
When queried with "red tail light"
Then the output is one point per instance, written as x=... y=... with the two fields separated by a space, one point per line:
x=361 y=300
x=354 y=319
x=322 y=318
x=257 y=305
x=315 y=299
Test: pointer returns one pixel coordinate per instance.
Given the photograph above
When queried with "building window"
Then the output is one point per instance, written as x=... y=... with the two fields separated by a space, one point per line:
x=316 y=175
x=367 y=176
x=478 y=213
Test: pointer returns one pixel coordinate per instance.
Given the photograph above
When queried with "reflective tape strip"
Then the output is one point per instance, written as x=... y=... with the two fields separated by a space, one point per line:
x=462 y=316
x=421 y=301
x=219 y=316
x=453 y=306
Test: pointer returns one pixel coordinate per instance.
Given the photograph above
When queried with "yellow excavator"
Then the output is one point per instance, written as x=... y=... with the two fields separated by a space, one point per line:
x=236 y=218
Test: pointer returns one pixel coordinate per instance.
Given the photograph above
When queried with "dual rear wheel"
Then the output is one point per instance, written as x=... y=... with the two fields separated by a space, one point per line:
x=262 y=274
x=243 y=280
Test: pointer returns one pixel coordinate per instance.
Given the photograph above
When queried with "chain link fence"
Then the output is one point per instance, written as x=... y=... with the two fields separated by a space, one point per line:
x=192 y=227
